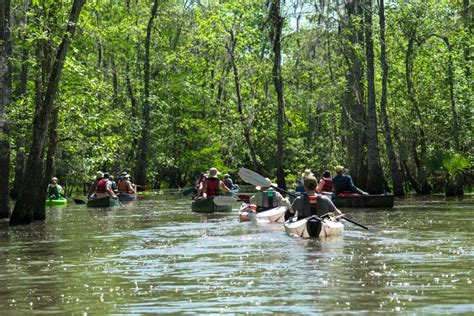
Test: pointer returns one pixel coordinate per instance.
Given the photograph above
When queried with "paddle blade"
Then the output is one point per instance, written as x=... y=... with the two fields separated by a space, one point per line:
x=253 y=178
x=79 y=201
x=224 y=200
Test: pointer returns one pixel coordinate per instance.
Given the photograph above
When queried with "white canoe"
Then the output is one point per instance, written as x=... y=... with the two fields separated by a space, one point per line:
x=310 y=227
x=274 y=215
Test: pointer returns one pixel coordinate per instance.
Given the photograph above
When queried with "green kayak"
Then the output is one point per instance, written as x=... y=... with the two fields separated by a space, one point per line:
x=56 y=202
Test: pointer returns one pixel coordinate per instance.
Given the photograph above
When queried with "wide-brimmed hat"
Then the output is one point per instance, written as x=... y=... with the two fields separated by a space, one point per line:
x=54 y=179
x=306 y=173
x=339 y=169
x=213 y=173
x=259 y=188
x=125 y=175
x=99 y=174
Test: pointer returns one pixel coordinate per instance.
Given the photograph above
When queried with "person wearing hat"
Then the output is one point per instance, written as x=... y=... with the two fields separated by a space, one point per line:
x=267 y=198
x=125 y=185
x=310 y=203
x=342 y=183
x=213 y=186
x=55 y=191
x=300 y=187
x=98 y=176
x=229 y=183
x=104 y=188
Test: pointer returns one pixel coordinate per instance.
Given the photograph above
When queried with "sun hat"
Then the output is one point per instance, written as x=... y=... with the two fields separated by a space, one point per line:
x=54 y=179
x=227 y=175
x=339 y=169
x=306 y=173
x=213 y=173
x=99 y=174
x=260 y=188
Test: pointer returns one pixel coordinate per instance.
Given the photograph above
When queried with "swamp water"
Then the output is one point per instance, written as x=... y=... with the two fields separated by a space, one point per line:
x=155 y=256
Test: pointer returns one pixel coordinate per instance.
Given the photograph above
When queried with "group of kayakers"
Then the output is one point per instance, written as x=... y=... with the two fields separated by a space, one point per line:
x=341 y=183
x=105 y=186
x=315 y=200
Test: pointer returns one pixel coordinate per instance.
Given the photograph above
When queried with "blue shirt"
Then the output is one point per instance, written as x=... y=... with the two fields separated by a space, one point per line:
x=343 y=183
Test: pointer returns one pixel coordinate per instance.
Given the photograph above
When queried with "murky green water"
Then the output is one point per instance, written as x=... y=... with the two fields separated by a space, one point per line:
x=156 y=256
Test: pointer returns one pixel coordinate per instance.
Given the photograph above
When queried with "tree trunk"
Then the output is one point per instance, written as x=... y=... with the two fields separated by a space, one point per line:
x=28 y=202
x=425 y=187
x=455 y=121
x=394 y=169
x=142 y=163
x=354 y=97
x=414 y=184
x=276 y=21
x=467 y=18
x=52 y=146
x=245 y=125
x=375 y=176
x=5 y=99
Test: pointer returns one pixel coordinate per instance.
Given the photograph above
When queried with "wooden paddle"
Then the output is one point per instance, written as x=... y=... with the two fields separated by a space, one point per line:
x=254 y=178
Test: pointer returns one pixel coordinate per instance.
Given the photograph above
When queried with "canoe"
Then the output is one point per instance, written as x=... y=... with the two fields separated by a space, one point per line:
x=124 y=197
x=274 y=215
x=382 y=200
x=103 y=202
x=207 y=205
x=312 y=227
x=56 y=202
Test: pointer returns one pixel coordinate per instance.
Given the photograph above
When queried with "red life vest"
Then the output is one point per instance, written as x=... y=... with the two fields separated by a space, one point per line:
x=313 y=201
x=101 y=186
x=327 y=187
x=212 y=186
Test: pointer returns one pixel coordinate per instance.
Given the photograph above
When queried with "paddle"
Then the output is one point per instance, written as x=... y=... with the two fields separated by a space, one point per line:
x=79 y=201
x=189 y=191
x=222 y=200
x=254 y=178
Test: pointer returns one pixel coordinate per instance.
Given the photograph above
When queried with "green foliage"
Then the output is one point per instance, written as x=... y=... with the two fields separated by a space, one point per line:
x=195 y=122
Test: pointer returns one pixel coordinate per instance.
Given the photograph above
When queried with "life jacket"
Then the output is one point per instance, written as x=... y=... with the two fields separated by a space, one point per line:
x=101 y=186
x=213 y=188
x=53 y=192
x=268 y=201
x=309 y=206
x=327 y=187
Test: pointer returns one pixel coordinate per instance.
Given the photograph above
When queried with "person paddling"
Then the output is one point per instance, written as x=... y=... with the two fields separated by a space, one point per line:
x=125 y=185
x=266 y=198
x=98 y=176
x=311 y=203
x=55 y=191
x=213 y=186
x=342 y=183
x=104 y=188
x=325 y=184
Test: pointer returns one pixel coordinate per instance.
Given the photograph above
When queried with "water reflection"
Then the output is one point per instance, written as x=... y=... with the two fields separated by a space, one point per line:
x=155 y=256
